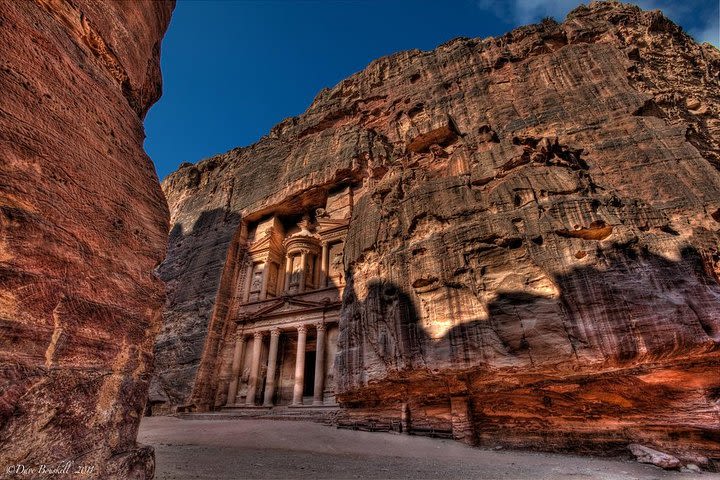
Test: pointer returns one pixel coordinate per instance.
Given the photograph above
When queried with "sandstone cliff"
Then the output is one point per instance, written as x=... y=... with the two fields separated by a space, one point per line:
x=533 y=254
x=83 y=223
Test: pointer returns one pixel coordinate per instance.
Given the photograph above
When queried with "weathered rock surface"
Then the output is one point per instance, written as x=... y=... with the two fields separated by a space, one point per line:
x=533 y=253
x=83 y=223
x=645 y=454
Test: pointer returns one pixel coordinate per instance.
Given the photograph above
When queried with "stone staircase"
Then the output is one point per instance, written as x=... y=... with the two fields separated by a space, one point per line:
x=325 y=414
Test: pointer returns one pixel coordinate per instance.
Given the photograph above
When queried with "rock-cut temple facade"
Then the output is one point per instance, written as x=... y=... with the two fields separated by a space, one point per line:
x=286 y=307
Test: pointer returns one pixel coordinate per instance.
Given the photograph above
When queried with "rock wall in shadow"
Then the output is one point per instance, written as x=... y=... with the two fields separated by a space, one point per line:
x=185 y=332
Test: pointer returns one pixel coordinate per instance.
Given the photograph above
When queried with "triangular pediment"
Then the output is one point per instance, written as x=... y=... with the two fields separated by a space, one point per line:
x=261 y=243
x=287 y=305
x=271 y=242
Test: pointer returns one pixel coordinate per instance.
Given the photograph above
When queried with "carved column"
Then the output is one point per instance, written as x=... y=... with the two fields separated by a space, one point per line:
x=300 y=366
x=405 y=421
x=254 y=368
x=248 y=282
x=288 y=272
x=236 y=366
x=319 y=365
x=266 y=276
x=272 y=363
x=303 y=273
x=324 y=266
x=243 y=231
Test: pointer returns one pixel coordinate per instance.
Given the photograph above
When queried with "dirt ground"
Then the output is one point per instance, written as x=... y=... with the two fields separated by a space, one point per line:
x=245 y=449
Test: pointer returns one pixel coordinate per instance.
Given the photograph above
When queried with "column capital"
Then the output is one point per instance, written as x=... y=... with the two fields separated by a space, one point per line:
x=275 y=332
x=258 y=334
x=320 y=327
x=302 y=328
x=239 y=333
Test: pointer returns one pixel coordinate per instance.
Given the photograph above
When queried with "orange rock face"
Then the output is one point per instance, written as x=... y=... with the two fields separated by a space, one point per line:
x=532 y=258
x=83 y=223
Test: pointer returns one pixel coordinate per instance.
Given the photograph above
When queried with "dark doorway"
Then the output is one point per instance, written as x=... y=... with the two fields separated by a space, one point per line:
x=309 y=385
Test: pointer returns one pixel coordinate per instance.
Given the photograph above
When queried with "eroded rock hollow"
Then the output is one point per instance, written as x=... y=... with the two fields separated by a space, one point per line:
x=83 y=223
x=529 y=238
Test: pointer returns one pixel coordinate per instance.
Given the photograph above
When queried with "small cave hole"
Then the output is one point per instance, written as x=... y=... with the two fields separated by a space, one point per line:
x=716 y=215
x=487 y=134
x=514 y=243
x=414 y=111
x=511 y=243
x=650 y=109
x=424 y=282
x=670 y=230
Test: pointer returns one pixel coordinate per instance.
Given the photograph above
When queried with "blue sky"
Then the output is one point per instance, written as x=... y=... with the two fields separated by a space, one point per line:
x=233 y=69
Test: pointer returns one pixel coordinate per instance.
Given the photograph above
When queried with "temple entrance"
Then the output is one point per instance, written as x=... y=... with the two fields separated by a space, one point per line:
x=309 y=381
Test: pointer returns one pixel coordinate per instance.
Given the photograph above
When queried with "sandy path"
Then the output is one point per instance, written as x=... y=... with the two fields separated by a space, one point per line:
x=239 y=449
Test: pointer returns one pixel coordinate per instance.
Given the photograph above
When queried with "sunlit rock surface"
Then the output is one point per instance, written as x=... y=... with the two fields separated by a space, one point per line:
x=532 y=258
x=83 y=223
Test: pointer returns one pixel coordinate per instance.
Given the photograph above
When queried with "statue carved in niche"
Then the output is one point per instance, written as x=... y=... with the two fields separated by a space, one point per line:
x=308 y=269
x=244 y=380
x=257 y=279
x=336 y=264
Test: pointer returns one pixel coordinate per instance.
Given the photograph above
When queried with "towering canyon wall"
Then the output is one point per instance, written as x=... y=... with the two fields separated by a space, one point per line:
x=83 y=223
x=532 y=258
